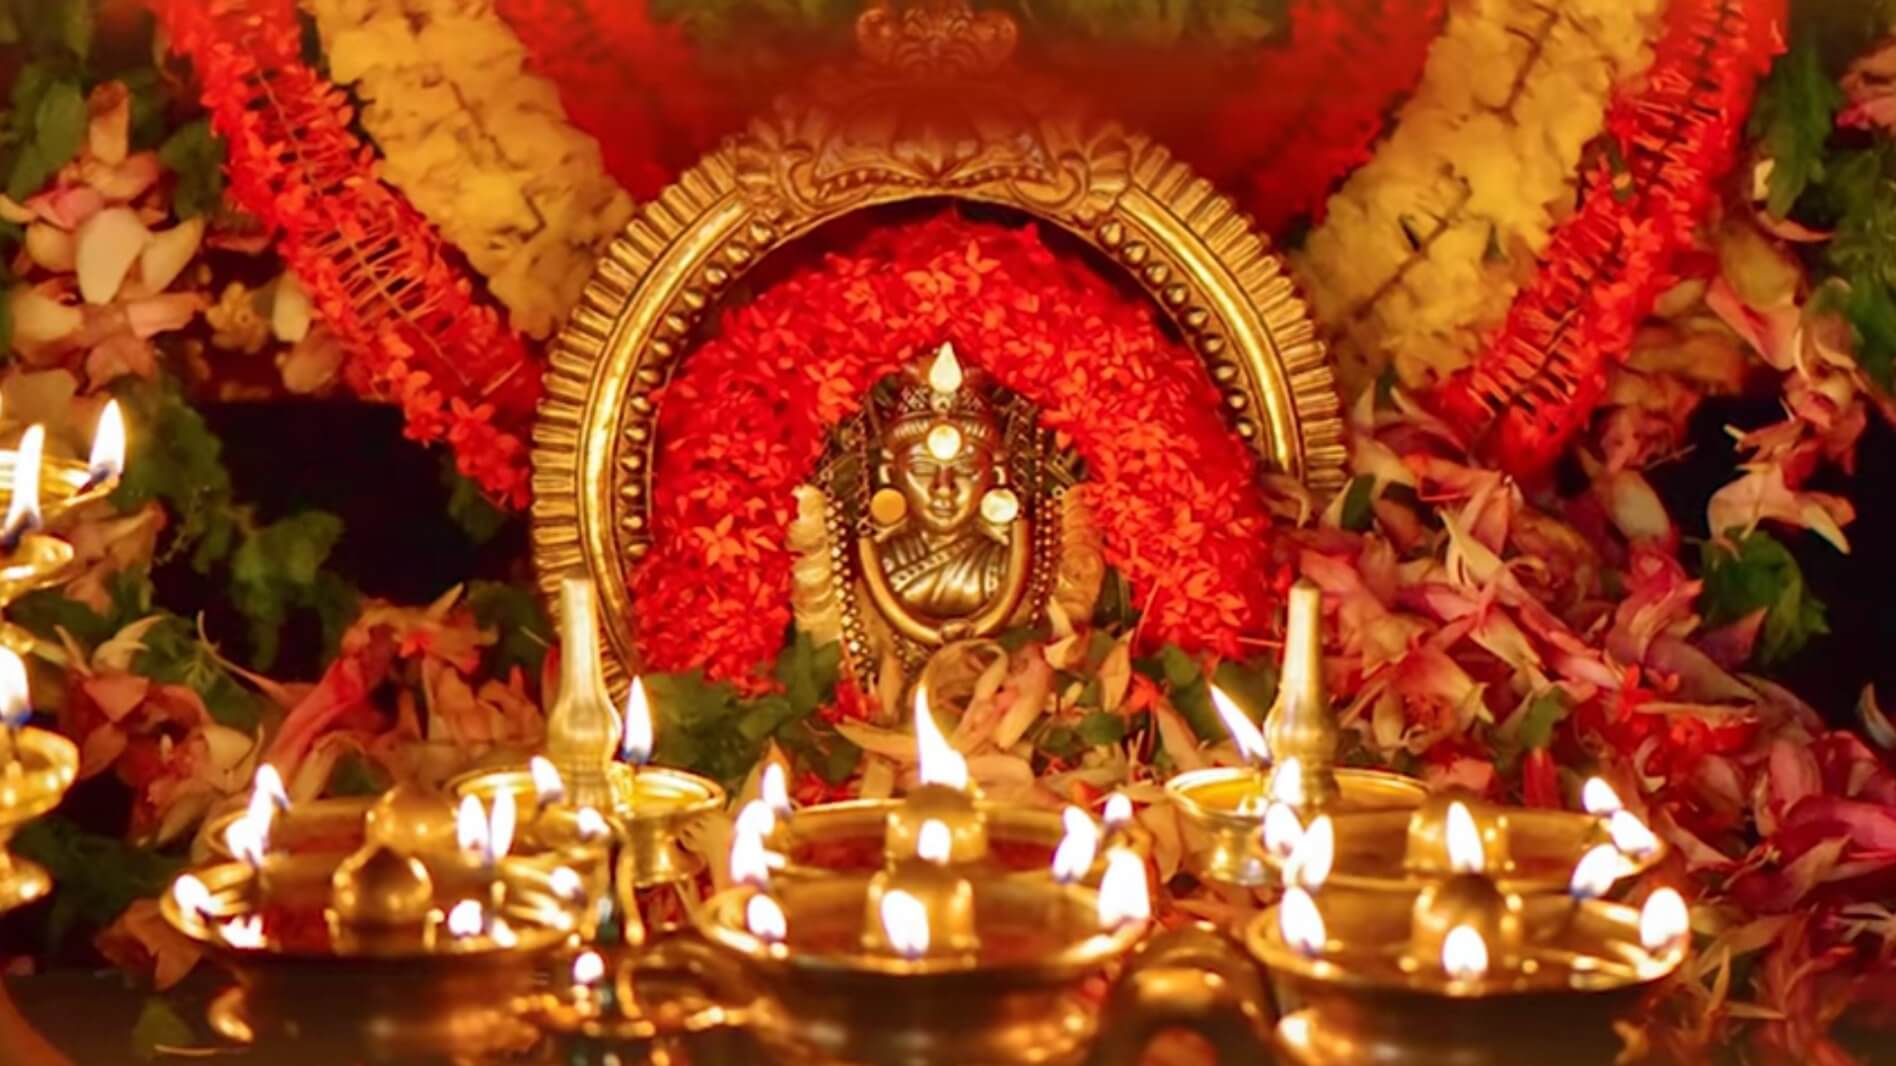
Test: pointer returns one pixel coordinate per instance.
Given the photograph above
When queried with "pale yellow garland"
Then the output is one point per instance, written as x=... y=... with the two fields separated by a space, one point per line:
x=478 y=144
x=1422 y=249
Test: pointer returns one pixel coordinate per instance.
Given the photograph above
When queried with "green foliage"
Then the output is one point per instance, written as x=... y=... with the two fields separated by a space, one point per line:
x=514 y=613
x=1101 y=727
x=181 y=463
x=1760 y=573
x=44 y=128
x=96 y=876
x=1545 y=711
x=708 y=727
x=1794 y=114
x=278 y=568
x=196 y=156
x=1179 y=672
x=175 y=655
x=355 y=776
x=469 y=507
x=160 y=1026
x=45 y=612
x=1356 y=503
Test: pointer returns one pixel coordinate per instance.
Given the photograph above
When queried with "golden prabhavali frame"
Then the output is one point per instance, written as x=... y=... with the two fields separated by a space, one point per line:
x=853 y=143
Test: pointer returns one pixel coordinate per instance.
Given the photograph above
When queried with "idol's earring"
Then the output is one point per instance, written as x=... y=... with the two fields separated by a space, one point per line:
x=999 y=506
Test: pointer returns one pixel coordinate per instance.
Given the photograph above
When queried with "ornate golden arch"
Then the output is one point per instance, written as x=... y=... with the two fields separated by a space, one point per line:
x=930 y=113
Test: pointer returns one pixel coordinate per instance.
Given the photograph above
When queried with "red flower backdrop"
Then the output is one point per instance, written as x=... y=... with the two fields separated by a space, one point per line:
x=1172 y=490
x=373 y=266
x=1670 y=143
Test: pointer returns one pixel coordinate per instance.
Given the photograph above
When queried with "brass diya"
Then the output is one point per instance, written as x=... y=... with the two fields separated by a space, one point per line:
x=675 y=994
x=1229 y=805
x=36 y=769
x=412 y=945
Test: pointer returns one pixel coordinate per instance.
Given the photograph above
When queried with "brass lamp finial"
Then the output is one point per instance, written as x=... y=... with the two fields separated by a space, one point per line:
x=582 y=730
x=1300 y=728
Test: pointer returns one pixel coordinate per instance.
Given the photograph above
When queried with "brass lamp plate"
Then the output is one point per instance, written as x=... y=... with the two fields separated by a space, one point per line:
x=48 y=763
x=1209 y=799
x=847 y=837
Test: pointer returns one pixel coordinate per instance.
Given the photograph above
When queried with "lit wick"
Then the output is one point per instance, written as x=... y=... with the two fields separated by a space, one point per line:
x=766 y=920
x=1282 y=829
x=1118 y=813
x=1664 y=920
x=905 y=924
x=548 y=789
x=1301 y=923
x=1464 y=954
x=15 y=702
x=773 y=790
x=107 y=460
x=1594 y=875
x=1073 y=859
x=23 y=512
x=1309 y=863
x=1598 y=797
x=635 y=746
x=1124 y=895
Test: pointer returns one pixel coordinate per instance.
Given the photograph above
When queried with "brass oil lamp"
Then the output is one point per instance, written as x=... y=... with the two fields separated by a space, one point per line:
x=1290 y=774
x=594 y=780
x=1457 y=967
x=38 y=766
x=410 y=945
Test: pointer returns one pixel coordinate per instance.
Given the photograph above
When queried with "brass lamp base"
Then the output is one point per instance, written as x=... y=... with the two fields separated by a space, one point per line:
x=1220 y=803
x=38 y=772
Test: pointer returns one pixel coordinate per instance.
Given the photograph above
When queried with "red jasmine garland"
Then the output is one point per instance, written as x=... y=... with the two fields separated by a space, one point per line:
x=375 y=268
x=1172 y=490
x=1670 y=143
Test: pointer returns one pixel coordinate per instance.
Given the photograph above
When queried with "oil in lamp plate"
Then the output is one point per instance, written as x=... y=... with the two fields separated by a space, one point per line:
x=1222 y=803
x=41 y=770
x=331 y=826
x=847 y=837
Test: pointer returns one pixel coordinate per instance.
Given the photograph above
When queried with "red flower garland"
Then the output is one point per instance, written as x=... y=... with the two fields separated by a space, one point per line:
x=372 y=264
x=1172 y=490
x=1539 y=379
x=628 y=81
x=1298 y=128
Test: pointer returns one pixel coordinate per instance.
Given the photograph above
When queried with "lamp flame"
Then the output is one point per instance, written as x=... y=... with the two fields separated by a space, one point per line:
x=1301 y=923
x=1118 y=812
x=905 y=922
x=267 y=788
x=940 y=763
x=245 y=934
x=1244 y=732
x=501 y=821
x=1465 y=853
x=548 y=787
x=1663 y=921
x=565 y=882
x=766 y=921
x=248 y=837
x=192 y=897
x=470 y=826
x=1078 y=848
x=751 y=861
x=502 y=933
x=773 y=790
x=757 y=819
x=588 y=968
x=1124 y=895
x=465 y=919
x=1464 y=953
x=590 y=824
x=944 y=374
x=15 y=700
x=1310 y=861
x=1598 y=869
x=1287 y=786
x=1598 y=797
x=635 y=745
x=934 y=843
x=1630 y=834
x=23 y=513
x=1282 y=829
x=108 y=447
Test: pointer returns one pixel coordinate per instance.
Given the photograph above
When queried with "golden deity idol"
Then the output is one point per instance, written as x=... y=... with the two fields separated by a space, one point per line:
x=941 y=513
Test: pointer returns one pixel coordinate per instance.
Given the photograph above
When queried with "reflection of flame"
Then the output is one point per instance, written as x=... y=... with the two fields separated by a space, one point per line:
x=1287 y=784
x=565 y=882
x=470 y=826
x=1596 y=872
x=1300 y=922
x=590 y=824
x=1244 y=732
x=15 y=700
x=1464 y=953
x=1282 y=830
x=1598 y=797
x=905 y=923
x=1124 y=895
x=108 y=446
x=765 y=919
x=934 y=843
x=1663 y=921
x=635 y=746
x=773 y=791
x=757 y=819
x=248 y=837
x=243 y=933
x=548 y=788
x=1465 y=853
x=191 y=895
x=1118 y=812
x=1309 y=862
x=466 y=919
x=1074 y=857
x=1630 y=834
x=24 y=512
x=500 y=826
x=588 y=968
x=940 y=763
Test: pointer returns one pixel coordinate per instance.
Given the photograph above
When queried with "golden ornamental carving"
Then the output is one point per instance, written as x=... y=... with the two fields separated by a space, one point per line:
x=866 y=137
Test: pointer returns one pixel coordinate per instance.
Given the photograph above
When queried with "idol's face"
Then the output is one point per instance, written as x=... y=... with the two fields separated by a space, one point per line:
x=944 y=495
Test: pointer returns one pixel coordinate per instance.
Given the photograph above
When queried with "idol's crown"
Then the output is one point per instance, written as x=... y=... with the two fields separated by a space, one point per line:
x=937 y=391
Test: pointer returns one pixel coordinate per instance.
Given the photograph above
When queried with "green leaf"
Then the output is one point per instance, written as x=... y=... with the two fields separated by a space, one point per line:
x=179 y=462
x=808 y=673
x=817 y=745
x=276 y=569
x=1543 y=713
x=355 y=776
x=1102 y=727
x=469 y=507
x=159 y=1025
x=95 y=877
x=1059 y=741
x=149 y=101
x=1190 y=693
x=1760 y=573
x=45 y=612
x=514 y=612
x=1872 y=315
x=174 y=655
x=1792 y=118
x=196 y=156
x=1253 y=684
x=1356 y=503
x=1115 y=609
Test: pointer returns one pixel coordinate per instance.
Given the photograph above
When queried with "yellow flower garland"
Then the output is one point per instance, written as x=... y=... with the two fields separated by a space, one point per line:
x=478 y=145
x=1423 y=248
